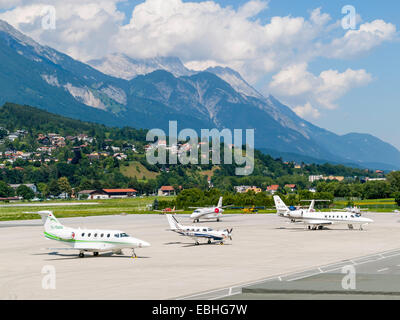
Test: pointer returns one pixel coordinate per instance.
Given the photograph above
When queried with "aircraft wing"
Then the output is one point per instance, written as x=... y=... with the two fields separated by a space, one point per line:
x=59 y=249
x=318 y=222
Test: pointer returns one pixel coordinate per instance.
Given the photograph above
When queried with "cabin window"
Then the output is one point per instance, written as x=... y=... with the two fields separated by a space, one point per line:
x=108 y=235
x=95 y=235
x=205 y=230
x=83 y=234
x=116 y=235
x=102 y=235
x=89 y=234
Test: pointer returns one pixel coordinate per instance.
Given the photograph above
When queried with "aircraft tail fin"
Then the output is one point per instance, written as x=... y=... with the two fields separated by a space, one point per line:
x=280 y=205
x=173 y=223
x=219 y=205
x=311 y=209
x=49 y=220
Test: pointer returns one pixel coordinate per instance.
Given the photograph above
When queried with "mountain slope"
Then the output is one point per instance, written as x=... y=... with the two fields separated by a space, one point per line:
x=41 y=76
x=121 y=66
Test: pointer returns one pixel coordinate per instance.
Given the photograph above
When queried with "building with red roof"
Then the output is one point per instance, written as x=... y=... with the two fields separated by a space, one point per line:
x=166 y=191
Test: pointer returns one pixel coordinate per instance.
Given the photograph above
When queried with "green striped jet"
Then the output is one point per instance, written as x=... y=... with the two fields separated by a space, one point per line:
x=89 y=240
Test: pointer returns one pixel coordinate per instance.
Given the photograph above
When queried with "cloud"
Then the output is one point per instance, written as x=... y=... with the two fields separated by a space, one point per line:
x=296 y=86
x=307 y=111
x=356 y=42
x=83 y=28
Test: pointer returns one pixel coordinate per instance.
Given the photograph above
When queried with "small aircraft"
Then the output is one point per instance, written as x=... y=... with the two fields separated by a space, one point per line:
x=208 y=212
x=196 y=232
x=85 y=240
x=169 y=210
x=317 y=220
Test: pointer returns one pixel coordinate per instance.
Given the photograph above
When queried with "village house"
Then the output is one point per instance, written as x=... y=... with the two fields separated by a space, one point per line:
x=273 y=189
x=291 y=187
x=107 y=194
x=166 y=191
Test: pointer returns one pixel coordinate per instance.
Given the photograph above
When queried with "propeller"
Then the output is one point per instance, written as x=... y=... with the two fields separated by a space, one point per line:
x=230 y=233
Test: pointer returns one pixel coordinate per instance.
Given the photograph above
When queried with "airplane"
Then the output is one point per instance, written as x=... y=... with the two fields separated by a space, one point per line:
x=85 y=240
x=355 y=210
x=168 y=210
x=317 y=220
x=208 y=213
x=196 y=232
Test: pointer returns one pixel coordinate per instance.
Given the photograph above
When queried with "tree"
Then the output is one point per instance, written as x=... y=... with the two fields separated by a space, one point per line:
x=54 y=188
x=43 y=190
x=394 y=180
x=25 y=192
x=5 y=190
x=64 y=186
x=397 y=198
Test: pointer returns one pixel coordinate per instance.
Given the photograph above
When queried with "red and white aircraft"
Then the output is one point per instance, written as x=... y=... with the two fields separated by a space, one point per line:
x=168 y=210
x=208 y=213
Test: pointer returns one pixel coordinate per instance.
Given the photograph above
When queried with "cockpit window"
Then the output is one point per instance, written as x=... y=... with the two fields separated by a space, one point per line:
x=116 y=235
x=209 y=229
x=123 y=235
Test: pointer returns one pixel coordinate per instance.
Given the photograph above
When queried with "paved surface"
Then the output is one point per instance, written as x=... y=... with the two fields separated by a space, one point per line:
x=375 y=277
x=263 y=246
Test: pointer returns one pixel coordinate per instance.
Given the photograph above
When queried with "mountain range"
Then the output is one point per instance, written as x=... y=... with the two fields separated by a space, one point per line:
x=147 y=93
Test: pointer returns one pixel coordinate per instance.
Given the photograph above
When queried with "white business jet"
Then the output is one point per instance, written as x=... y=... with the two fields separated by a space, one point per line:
x=208 y=212
x=196 y=232
x=317 y=220
x=86 y=240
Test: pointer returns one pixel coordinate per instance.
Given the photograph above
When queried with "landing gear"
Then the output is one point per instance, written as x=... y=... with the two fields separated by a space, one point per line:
x=134 y=256
x=209 y=242
x=197 y=243
x=320 y=228
x=217 y=219
x=95 y=254
x=309 y=227
x=350 y=226
x=81 y=254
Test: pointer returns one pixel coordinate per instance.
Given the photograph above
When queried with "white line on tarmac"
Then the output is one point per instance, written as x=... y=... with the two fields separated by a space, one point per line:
x=280 y=277
x=382 y=270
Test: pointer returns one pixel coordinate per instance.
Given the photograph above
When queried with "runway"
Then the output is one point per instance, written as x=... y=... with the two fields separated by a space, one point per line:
x=263 y=246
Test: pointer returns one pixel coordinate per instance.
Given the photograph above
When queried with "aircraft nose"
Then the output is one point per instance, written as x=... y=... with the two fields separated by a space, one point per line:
x=144 y=244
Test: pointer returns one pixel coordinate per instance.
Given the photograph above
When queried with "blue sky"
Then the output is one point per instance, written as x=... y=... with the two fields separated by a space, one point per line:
x=282 y=47
x=373 y=108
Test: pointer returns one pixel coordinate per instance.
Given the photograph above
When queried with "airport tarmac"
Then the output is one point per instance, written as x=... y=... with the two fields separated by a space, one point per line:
x=263 y=246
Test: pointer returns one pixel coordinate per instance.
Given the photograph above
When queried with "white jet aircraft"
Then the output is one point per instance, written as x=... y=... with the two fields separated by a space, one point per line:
x=85 y=240
x=196 y=232
x=208 y=212
x=317 y=220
